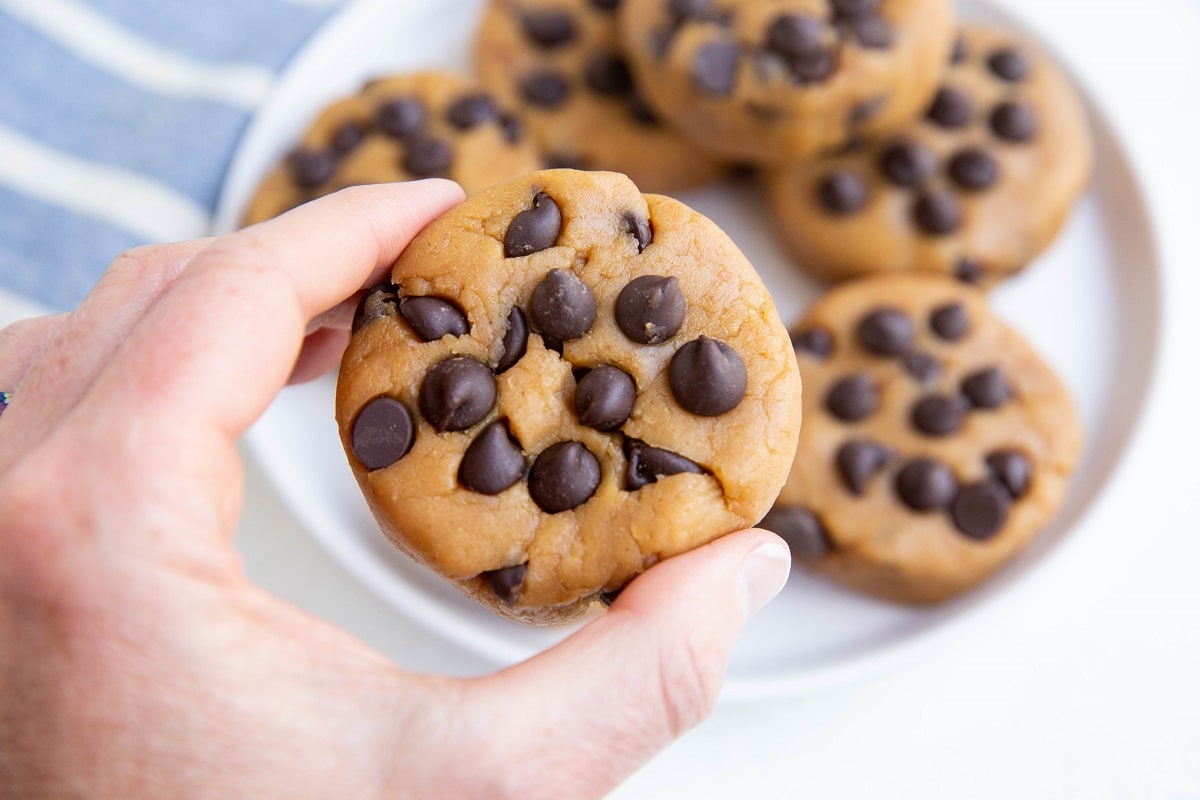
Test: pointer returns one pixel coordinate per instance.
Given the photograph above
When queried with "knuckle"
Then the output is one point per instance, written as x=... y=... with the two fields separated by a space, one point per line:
x=690 y=676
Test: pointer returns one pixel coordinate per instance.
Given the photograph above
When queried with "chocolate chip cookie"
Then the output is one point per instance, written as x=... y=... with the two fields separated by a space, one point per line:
x=401 y=127
x=936 y=443
x=976 y=188
x=769 y=80
x=561 y=62
x=564 y=382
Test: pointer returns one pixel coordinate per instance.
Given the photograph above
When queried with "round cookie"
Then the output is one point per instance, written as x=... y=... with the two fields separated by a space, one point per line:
x=769 y=80
x=936 y=443
x=398 y=128
x=608 y=384
x=976 y=188
x=562 y=63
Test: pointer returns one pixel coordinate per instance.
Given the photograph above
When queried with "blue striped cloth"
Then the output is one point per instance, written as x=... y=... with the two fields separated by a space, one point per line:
x=118 y=120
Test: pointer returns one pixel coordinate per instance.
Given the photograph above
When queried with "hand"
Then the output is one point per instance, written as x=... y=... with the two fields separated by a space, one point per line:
x=135 y=658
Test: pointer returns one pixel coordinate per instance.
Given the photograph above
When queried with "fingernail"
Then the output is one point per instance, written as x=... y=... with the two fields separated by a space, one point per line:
x=764 y=572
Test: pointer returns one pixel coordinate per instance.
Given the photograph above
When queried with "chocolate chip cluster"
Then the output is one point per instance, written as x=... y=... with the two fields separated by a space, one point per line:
x=923 y=484
x=706 y=377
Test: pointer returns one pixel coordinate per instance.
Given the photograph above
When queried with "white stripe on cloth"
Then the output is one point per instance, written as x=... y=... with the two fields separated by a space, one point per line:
x=121 y=198
x=121 y=52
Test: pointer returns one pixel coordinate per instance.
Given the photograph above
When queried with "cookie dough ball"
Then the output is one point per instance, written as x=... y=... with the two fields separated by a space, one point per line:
x=936 y=443
x=976 y=188
x=398 y=128
x=561 y=62
x=769 y=80
x=565 y=382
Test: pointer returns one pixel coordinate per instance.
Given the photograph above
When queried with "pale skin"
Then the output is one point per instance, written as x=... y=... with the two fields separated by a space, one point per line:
x=136 y=660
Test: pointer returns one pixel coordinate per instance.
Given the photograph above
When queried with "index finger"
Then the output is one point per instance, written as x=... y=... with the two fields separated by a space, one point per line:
x=221 y=342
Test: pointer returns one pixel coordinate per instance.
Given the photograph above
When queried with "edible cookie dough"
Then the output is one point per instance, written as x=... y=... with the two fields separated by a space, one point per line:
x=768 y=80
x=561 y=62
x=936 y=443
x=424 y=125
x=976 y=188
x=565 y=382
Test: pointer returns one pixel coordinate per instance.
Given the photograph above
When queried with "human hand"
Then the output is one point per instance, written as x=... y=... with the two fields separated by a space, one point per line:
x=136 y=660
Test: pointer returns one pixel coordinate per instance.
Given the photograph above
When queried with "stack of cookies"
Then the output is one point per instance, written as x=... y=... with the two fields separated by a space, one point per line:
x=909 y=162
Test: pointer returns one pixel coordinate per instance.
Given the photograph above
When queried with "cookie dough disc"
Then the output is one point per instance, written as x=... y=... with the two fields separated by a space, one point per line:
x=976 y=188
x=936 y=443
x=400 y=127
x=768 y=80
x=569 y=381
x=562 y=63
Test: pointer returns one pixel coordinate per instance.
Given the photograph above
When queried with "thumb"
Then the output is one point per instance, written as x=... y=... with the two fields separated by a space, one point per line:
x=590 y=711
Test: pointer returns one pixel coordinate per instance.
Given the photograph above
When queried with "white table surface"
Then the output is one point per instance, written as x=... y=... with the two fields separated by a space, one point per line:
x=1085 y=683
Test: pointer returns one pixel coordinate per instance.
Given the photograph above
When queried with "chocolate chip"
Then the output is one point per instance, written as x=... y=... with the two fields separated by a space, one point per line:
x=707 y=377
x=506 y=583
x=563 y=161
x=563 y=306
x=639 y=228
x=1014 y=121
x=346 y=137
x=714 y=67
x=471 y=111
x=960 y=52
x=816 y=341
x=921 y=366
x=853 y=398
x=981 y=509
x=843 y=192
x=849 y=9
x=925 y=484
x=1009 y=64
x=907 y=163
x=796 y=36
x=545 y=88
x=432 y=317
x=493 y=462
x=939 y=414
x=382 y=433
x=516 y=339
x=938 y=212
x=401 y=117
x=548 y=27
x=801 y=529
x=858 y=460
x=987 y=388
x=1012 y=469
x=886 y=332
x=428 y=156
x=310 y=168
x=650 y=309
x=604 y=398
x=563 y=477
x=534 y=229
x=873 y=33
x=968 y=270
x=456 y=393
x=377 y=303
x=640 y=111
x=646 y=464
x=607 y=74
x=951 y=108
x=950 y=321
x=974 y=169
x=512 y=128
x=605 y=5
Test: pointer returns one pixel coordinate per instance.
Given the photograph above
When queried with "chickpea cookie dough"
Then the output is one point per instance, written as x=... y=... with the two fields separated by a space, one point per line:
x=400 y=127
x=976 y=188
x=763 y=81
x=562 y=63
x=565 y=382
x=936 y=442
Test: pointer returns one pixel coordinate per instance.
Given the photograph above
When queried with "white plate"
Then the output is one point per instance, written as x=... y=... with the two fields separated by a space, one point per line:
x=1090 y=305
